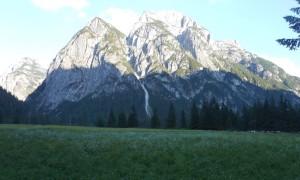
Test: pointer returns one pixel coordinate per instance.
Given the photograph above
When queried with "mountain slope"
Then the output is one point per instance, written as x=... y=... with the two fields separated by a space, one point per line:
x=95 y=61
x=23 y=78
x=167 y=57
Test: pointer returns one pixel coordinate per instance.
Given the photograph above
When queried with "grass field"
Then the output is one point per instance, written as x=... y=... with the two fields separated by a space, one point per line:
x=60 y=152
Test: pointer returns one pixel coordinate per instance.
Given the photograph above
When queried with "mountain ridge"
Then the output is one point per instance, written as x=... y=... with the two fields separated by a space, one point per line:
x=22 y=78
x=160 y=54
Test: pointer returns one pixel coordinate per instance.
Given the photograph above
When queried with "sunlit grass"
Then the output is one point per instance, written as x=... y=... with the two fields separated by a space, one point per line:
x=60 y=152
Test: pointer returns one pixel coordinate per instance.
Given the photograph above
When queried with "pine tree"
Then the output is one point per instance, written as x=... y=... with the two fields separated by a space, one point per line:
x=99 y=122
x=171 y=119
x=1 y=117
x=214 y=111
x=34 y=119
x=154 y=119
x=298 y=117
x=266 y=113
x=133 y=119
x=195 y=119
x=16 y=119
x=294 y=23
x=282 y=118
x=111 y=122
x=245 y=120
x=206 y=115
x=183 y=120
x=224 y=121
x=257 y=115
x=122 y=120
x=273 y=113
x=291 y=119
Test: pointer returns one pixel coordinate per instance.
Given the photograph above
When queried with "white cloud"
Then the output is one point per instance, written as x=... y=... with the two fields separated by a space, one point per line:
x=122 y=19
x=81 y=14
x=285 y=63
x=58 y=4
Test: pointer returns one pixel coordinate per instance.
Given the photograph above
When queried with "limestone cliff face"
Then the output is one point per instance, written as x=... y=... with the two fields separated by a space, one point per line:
x=166 y=57
x=22 y=78
x=92 y=62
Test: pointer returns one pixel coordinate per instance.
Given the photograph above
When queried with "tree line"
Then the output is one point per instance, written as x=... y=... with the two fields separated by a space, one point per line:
x=267 y=115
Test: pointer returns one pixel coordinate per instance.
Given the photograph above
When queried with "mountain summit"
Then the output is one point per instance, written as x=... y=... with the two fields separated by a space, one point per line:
x=22 y=78
x=167 y=57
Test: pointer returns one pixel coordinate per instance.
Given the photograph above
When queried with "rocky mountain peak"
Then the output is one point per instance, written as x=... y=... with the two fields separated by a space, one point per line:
x=173 y=21
x=167 y=56
x=99 y=27
x=81 y=51
x=26 y=63
x=22 y=78
x=227 y=44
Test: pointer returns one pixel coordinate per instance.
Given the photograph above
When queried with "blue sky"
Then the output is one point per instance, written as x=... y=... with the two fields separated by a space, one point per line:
x=40 y=28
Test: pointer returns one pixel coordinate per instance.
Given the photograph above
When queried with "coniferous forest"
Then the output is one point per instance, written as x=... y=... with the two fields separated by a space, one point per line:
x=267 y=115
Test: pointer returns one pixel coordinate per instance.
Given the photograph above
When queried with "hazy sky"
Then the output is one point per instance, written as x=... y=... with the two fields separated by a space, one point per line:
x=40 y=28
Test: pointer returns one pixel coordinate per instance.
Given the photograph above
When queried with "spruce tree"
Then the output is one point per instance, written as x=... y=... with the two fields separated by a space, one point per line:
x=282 y=118
x=111 y=119
x=133 y=119
x=257 y=115
x=183 y=120
x=298 y=116
x=225 y=121
x=266 y=113
x=16 y=119
x=1 y=117
x=195 y=120
x=122 y=120
x=214 y=114
x=206 y=115
x=171 y=119
x=291 y=119
x=294 y=23
x=246 y=119
x=99 y=122
x=154 y=119
x=273 y=113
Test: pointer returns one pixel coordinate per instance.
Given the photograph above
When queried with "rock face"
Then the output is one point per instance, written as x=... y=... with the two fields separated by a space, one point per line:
x=23 y=78
x=167 y=57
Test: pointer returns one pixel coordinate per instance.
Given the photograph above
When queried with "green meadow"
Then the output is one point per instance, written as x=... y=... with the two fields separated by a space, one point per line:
x=62 y=152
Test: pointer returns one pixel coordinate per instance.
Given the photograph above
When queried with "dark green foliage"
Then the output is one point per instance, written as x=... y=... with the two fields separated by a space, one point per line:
x=133 y=119
x=11 y=108
x=171 y=119
x=298 y=117
x=226 y=118
x=266 y=114
x=155 y=120
x=99 y=122
x=33 y=120
x=210 y=115
x=262 y=116
x=195 y=119
x=1 y=116
x=111 y=122
x=122 y=120
x=16 y=119
x=281 y=116
x=183 y=120
x=294 y=23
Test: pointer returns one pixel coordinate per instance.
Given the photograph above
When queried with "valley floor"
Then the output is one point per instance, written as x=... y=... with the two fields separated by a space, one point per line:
x=60 y=152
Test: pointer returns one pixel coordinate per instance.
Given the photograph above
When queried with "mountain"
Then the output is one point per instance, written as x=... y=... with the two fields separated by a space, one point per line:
x=22 y=78
x=167 y=57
